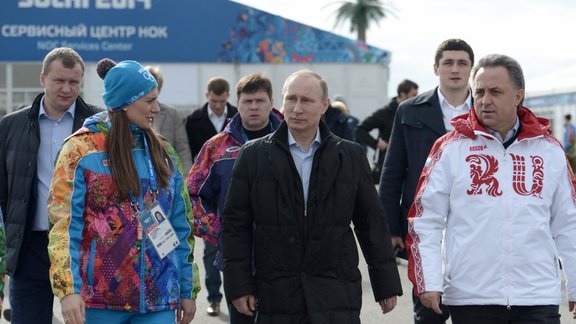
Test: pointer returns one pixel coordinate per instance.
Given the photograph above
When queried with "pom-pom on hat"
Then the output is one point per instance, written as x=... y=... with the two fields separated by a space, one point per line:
x=124 y=82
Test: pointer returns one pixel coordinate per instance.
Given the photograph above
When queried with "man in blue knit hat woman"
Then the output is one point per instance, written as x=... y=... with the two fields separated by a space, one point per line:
x=108 y=264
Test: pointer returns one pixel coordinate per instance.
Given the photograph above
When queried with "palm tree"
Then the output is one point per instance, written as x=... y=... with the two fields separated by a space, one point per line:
x=360 y=14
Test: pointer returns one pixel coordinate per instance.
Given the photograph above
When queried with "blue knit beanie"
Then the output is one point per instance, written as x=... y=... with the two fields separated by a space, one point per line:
x=124 y=82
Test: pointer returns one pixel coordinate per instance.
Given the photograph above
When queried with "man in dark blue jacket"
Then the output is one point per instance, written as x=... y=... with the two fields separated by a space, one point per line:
x=338 y=124
x=201 y=125
x=30 y=139
x=210 y=175
x=418 y=123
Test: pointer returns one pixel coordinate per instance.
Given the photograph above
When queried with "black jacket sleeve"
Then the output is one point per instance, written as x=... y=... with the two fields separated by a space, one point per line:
x=371 y=229
x=237 y=229
x=374 y=121
x=393 y=175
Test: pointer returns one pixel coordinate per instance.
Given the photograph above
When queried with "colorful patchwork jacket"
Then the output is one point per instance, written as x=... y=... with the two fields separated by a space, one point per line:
x=210 y=176
x=95 y=246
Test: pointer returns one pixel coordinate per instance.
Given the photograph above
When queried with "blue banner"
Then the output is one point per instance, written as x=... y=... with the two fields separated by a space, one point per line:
x=198 y=31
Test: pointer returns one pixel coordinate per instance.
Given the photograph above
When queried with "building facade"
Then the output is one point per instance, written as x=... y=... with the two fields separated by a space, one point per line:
x=191 y=41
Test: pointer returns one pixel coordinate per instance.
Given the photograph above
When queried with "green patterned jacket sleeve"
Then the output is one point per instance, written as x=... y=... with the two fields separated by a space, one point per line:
x=190 y=220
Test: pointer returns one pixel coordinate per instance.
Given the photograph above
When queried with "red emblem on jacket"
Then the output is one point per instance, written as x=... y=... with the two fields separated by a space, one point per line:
x=482 y=170
x=519 y=175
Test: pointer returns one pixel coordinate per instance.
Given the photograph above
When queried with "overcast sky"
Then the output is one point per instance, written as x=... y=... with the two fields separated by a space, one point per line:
x=537 y=33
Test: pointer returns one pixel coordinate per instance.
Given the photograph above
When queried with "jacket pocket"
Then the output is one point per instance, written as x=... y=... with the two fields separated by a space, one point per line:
x=556 y=266
x=451 y=256
x=90 y=265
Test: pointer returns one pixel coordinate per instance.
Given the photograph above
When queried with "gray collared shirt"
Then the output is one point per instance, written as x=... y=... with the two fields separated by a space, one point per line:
x=52 y=135
x=303 y=160
x=509 y=135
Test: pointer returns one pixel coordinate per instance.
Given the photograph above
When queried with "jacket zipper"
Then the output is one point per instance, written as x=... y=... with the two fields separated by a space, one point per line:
x=142 y=238
x=142 y=286
x=305 y=213
x=91 y=261
x=287 y=149
x=305 y=224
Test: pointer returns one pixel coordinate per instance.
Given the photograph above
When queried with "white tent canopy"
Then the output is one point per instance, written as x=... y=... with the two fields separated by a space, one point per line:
x=561 y=81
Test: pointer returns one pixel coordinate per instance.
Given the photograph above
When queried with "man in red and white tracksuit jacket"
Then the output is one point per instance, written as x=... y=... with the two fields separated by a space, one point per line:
x=493 y=218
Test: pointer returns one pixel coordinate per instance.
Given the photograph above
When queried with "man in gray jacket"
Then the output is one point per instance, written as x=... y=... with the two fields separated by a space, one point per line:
x=170 y=124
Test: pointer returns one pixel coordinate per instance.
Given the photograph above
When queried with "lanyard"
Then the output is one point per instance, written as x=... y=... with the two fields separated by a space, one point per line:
x=151 y=172
x=134 y=201
x=153 y=187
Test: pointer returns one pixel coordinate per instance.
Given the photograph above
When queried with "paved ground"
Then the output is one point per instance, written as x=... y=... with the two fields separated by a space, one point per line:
x=371 y=313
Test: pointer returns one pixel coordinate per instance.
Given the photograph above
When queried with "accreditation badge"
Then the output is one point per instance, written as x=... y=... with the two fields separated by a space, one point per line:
x=159 y=231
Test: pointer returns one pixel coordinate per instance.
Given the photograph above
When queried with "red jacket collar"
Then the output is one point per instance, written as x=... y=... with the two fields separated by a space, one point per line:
x=531 y=125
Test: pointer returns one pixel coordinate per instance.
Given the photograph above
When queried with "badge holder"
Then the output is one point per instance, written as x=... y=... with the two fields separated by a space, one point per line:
x=159 y=230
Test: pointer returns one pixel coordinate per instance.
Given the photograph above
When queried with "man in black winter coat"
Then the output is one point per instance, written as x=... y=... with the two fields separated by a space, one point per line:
x=288 y=239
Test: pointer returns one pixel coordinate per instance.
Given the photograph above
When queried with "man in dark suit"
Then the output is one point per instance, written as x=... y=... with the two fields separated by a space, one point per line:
x=201 y=125
x=30 y=139
x=418 y=123
x=209 y=120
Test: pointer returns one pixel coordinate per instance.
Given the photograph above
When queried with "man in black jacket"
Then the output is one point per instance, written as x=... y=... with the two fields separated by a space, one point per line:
x=30 y=139
x=383 y=119
x=338 y=124
x=287 y=236
x=205 y=122
x=201 y=125
x=418 y=123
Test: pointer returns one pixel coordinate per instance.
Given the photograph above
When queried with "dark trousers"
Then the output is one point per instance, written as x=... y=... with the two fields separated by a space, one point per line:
x=424 y=315
x=238 y=318
x=213 y=281
x=31 y=297
x=496 y=314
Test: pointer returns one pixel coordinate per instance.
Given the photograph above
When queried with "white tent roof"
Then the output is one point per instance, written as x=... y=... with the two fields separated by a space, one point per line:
x=561 y=81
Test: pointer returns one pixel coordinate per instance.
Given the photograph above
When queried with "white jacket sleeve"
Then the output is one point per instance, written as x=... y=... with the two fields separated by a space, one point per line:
x=427 y=221
x=563 y=226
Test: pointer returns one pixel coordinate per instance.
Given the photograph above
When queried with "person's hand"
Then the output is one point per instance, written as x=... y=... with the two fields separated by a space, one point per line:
x=431 y=299
x=382 y=144
x=186 y=311
x=397 y=242
x=73 y=309
x=245 y=304
x=388 y=304
x=571 y=308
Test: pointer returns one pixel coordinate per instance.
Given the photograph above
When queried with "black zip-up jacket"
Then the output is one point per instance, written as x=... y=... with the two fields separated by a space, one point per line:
x=305 y=256
x=19 y=144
